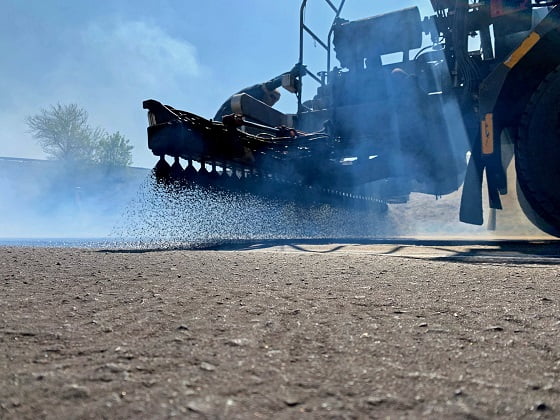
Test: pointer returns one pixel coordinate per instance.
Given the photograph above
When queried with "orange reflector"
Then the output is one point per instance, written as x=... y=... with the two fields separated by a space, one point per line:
x=487 y=134
x=523 y=49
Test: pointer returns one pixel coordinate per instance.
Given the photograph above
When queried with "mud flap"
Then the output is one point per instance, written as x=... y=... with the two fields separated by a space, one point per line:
x=471 y=199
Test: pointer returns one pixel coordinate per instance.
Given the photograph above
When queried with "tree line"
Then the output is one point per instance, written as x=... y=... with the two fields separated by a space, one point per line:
x=64 y=133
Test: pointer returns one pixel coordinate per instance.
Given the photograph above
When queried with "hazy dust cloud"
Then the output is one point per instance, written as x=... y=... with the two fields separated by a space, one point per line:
x=128 y=208
x=165 y=216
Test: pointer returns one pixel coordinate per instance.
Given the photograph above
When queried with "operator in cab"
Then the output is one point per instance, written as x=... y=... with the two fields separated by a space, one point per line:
x=266 y=92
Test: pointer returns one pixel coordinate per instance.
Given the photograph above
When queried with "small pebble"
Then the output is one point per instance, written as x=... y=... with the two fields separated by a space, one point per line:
x=74 y=391
x=209 y=367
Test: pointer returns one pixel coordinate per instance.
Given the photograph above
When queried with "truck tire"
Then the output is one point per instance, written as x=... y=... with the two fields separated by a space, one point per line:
x=537 y=156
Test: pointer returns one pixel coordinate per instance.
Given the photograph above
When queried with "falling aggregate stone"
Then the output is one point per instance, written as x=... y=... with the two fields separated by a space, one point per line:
x=164 y=217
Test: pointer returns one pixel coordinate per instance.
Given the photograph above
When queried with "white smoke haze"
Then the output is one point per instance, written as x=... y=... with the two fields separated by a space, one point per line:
x=47 y=199
x=110 y=68
x=166 y=217
x=108 y=65
x=131 y=48
x=129 y=209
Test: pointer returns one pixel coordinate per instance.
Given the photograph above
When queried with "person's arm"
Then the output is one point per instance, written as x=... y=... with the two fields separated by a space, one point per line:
x=297 y=71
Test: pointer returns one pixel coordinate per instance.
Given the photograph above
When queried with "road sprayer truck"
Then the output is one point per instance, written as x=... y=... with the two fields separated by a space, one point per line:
x=404 y=104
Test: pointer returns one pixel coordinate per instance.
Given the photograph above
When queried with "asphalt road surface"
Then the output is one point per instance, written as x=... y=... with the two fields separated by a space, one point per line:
x=282 y=329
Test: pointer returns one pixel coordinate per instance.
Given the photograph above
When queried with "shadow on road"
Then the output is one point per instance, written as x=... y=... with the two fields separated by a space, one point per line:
x=460 y=250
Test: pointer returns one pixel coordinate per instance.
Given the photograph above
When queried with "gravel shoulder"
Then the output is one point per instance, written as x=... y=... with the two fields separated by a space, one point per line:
x=282 y=332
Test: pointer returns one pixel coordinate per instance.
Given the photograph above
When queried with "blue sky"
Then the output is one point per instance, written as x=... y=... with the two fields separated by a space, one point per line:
x=108 y=56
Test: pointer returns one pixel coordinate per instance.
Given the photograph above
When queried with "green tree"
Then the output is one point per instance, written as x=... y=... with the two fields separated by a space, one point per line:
x=64 y=133
x=114 y=150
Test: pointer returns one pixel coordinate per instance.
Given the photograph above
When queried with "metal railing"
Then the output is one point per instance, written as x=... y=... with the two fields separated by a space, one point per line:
x=326 y=45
